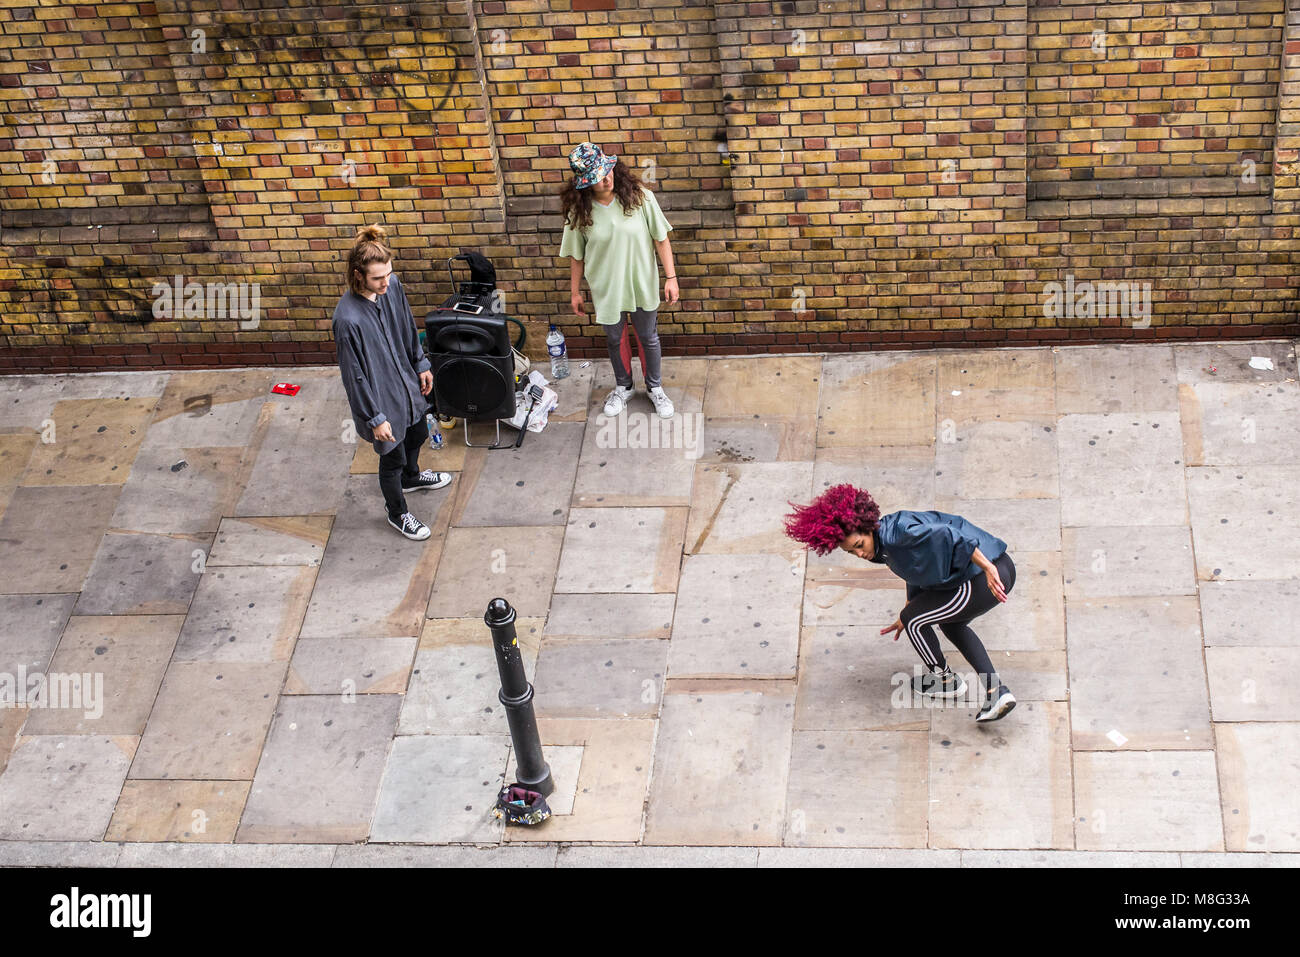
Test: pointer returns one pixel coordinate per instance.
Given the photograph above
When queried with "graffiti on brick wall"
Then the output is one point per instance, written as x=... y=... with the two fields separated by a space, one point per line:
x=437 y=74
x=111 y=291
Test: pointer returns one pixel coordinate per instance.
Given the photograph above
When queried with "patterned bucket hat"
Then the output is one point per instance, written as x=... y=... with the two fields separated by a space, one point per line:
x=589 y=164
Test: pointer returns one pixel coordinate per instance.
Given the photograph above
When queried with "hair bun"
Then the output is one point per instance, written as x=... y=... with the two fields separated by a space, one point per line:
x=372 y=234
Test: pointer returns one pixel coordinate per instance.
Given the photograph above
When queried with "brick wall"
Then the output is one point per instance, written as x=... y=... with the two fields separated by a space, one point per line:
x=840 y=175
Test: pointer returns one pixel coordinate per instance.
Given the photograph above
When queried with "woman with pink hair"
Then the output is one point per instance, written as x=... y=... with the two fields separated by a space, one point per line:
x=954 y=570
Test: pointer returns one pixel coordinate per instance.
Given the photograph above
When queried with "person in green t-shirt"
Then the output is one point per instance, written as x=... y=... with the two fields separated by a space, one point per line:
x=613 y=227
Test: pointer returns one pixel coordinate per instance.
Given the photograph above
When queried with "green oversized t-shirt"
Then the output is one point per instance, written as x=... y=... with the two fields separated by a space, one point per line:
x=618 y=256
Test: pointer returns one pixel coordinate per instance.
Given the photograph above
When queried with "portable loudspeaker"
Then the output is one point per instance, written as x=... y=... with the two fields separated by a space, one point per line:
x=472 y=364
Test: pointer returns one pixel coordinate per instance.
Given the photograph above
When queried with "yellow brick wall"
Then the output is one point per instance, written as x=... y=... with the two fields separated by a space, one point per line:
x=840 y=175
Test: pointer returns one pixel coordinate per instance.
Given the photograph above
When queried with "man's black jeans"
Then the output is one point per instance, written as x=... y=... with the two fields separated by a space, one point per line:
x=401 y=463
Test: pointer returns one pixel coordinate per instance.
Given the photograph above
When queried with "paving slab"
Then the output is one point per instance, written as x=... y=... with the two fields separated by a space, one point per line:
x=189 y=811
x=455 y=683
x=174 y=490
x=15 y=452
x=844 y=857
x=851 y=678
x=1132 y=860
x=517 y=564
x=58 y=854
x=38 y=562
x=980 y=385
x=761 y=409
x=737 y=616
x=246 y=613
x=877 y=399
x=1242 y=521
x=531 y=485
x=646 y=554
x=712 y=747
x=12 y=718
x=1025 y=524
x=827 y=804
x=637 y=459
x=441 y=789
x=1243 y=859
x=373 y=581
x=287 y=540
x=94 y=442
x=736 y=509
x=641 y=857
x=27 y=400
x=1141 y=455
x=1230 y=361
x=979 y=771
x=350 y=666
x=30 y=626
x=62 y=787
x=210 y=721
x=143 y=574
x=1031 y=675
x=513 y=856
x=210 y=407
x=300 y=453
x=586 y=678
x=1240 y=423
x=1254 y=613
x=107 y=670
x=1009 y=456
x=319 y=775
x=565 y=763
x=1119 y=378
x=259 y=856
x=1258 y=775
x=1100 y=562
x=611 y=616
x=1137 y=674
x=1147 y=801
x=1252 y=684
x=854 y=601
x=609 y=799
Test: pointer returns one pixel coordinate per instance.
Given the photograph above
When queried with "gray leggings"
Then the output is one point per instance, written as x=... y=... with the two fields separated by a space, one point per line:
x=643 y=321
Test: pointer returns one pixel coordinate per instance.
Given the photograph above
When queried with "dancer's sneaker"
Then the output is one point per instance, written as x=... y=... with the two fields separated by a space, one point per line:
x=411 y=527
x=617 y=401
x=663 y=404
x=939 y=684
x=997 y=704
x=426 y=479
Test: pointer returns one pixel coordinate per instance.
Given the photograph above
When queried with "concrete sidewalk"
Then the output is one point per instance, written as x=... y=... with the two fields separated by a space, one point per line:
x=287 y=681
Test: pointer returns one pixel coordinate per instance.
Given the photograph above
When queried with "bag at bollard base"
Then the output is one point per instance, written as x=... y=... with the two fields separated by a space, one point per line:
x=518 y=805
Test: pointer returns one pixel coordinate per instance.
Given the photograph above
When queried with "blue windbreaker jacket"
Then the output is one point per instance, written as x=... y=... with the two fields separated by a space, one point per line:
x=932 y=549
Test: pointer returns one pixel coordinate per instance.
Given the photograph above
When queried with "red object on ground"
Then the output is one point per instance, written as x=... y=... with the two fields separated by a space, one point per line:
x=285 y=388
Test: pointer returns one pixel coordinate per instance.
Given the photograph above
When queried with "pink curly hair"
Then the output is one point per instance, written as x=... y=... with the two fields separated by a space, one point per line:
x=840 y=511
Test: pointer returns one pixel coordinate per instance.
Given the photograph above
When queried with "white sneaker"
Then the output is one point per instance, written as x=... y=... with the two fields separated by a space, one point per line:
x=663 y=404
x=617 y=401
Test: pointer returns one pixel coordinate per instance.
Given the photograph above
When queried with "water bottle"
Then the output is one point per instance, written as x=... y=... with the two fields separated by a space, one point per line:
x=435 y=433
x=559 y=357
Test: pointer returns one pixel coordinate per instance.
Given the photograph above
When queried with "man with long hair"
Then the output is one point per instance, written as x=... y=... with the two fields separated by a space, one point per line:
x=386 y=376
x=613 y=227
x=954 y=570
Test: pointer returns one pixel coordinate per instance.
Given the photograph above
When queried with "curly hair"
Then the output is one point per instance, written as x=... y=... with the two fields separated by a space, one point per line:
x=576 y=203
x=840 y=511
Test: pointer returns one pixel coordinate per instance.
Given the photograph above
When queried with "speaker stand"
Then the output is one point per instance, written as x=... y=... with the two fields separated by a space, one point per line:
x=496 y=443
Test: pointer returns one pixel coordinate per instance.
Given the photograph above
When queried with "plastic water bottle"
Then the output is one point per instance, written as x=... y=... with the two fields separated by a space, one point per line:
x=435 y=433
x=559 y=357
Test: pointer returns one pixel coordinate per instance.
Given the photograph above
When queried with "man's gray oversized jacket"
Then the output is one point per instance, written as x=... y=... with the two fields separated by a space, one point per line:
x=380 y=359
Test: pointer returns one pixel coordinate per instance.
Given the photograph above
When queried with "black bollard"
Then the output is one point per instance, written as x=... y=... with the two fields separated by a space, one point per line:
x=516 y=695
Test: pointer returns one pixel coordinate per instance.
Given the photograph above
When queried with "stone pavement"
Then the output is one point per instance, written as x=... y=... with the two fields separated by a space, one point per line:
x=284 y=680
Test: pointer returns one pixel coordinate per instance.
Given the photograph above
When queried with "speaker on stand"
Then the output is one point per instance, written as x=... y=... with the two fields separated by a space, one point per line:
x=473 y=368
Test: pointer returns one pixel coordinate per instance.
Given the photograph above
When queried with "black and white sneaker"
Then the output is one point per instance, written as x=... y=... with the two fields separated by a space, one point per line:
x=426 y=479
x=997 y=704
x=939 y=684
x=411 y=527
